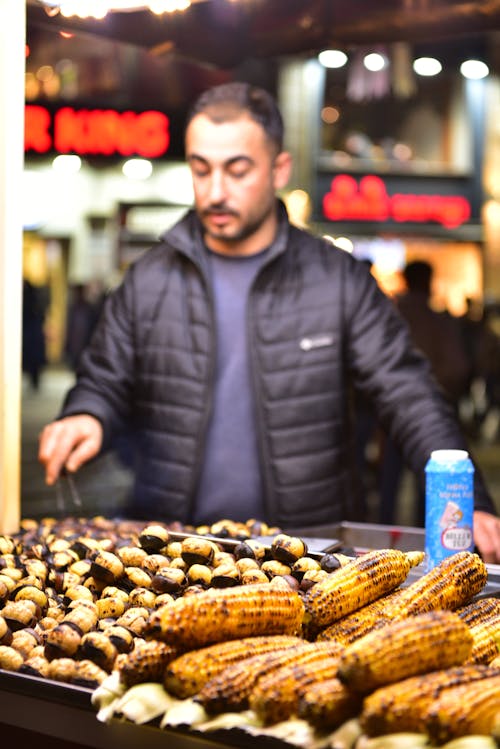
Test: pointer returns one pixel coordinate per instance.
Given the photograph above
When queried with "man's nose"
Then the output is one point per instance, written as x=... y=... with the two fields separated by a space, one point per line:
x=217 y=188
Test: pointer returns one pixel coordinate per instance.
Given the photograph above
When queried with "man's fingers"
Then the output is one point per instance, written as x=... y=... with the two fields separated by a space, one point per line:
x=69 y=443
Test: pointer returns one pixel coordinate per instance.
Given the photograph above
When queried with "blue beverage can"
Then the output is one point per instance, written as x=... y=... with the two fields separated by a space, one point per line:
x=449 y=505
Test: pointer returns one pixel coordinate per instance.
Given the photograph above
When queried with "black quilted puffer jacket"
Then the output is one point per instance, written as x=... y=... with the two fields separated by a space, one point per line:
x=317 y=324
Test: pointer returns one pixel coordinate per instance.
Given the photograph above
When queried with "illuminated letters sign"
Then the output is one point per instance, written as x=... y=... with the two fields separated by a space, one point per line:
x=96 y=132
x=369 y=201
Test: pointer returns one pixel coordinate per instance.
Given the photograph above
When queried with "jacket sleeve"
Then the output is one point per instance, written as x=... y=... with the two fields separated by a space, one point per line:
x=396 y=377
x=105 y=373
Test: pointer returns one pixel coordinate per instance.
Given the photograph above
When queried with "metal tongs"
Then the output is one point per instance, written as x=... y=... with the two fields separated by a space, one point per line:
x=73 y=492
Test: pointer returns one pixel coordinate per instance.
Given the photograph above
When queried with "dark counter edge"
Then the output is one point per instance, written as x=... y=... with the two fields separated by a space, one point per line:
x=64 y=711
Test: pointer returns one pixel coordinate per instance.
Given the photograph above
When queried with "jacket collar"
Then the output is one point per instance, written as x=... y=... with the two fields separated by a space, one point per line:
x=186 y=236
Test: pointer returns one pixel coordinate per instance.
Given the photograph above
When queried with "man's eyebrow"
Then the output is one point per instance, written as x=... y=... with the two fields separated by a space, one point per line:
x=228 y=162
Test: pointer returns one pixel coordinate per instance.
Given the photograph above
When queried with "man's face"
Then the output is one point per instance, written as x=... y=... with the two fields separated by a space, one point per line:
x=236 y=172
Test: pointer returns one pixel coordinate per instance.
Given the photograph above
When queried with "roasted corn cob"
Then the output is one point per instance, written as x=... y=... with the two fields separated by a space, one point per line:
x=483 y=618
x=327 y=704
x=449 y=585
x=276 y=695
x=403 y=706
x=464 y=710
x=359 y=623
x=355 y=585
x=217 y=615
x=146 y=662
x=230 y=690
x=426 y=642
x=186 y=674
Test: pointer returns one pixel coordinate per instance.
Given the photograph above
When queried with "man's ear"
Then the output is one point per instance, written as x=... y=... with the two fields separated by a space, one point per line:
x=282 y=170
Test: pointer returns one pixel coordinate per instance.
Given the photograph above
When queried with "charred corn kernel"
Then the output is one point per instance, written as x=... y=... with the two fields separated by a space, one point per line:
x=465 y=710
x=479 y=611
x=230 y=689
x=449 y=585
x=402 y=706
x=146 y=662
x=186 y=675
x=485 y=641
x=358 y=583
x=216 y=615
x=327 y=704
x=276 y=696
x=425 y=642
x=360 y=622
x=10 y=658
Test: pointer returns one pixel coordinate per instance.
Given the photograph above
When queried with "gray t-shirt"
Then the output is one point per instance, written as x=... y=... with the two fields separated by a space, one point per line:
x=230 y=483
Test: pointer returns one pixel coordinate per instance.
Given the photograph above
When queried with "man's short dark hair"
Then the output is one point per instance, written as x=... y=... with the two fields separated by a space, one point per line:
x=229 y=100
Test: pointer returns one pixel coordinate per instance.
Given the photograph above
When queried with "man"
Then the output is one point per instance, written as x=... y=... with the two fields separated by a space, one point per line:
x=230 y=348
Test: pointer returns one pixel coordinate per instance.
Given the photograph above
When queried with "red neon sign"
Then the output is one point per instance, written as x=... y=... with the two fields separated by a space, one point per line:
x=369 y=201
x=96 y=132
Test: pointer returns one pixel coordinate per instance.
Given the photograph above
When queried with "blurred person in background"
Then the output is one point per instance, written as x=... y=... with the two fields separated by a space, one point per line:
x=231 y=345
x=83 y=313
x=438 y=336
x=34 y=311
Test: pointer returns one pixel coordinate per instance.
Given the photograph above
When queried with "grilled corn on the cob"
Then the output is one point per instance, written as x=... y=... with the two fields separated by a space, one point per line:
x=186 y=674
x=328 y=704
x=276 y=696
x=426 y=642
x=355 y=585
x=449 y=585
x=146 y=662
x=217 y=615
x=403 y=706
x=360 y=622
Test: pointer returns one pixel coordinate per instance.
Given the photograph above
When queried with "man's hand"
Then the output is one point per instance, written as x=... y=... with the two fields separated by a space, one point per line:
x=68 y=443
x=487 y=536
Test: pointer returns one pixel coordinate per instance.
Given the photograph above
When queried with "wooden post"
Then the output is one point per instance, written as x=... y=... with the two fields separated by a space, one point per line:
x=12 y=70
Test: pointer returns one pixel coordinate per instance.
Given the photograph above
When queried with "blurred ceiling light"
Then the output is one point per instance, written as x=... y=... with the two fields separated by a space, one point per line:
x=474 y=69
x=332 y=58
x=427 y=66
x=100 y=8
x=329 y=115
x=67 y=163
x=375 y=61
x=137 y=169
